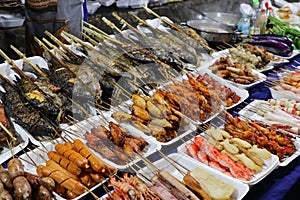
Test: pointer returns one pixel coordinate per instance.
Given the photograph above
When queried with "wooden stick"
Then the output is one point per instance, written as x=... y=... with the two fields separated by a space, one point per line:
x=91 y=40
x=170 y=161
x=61 y=44
x=95 y=28
x=8 y=132
x=60 y=52
x=113 y=26
x=30 y=63
x=78 y=40
x=93 y=33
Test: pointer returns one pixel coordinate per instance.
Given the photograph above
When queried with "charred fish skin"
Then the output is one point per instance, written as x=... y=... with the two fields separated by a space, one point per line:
x=24 y=113
x=37 y=99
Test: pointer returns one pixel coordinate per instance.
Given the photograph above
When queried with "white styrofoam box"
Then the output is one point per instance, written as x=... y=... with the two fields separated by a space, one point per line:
x=8 y=21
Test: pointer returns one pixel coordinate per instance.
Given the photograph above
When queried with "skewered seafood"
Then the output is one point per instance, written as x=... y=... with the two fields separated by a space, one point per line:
x=206 y=153
x=130 y=187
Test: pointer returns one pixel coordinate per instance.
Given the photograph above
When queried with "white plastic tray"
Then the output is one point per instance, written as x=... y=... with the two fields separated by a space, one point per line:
x=83 y=126
x=269 y=166
x=6 y=153
x=276 y=94
x=241 y=189
x=38 y=160
x=245 y=112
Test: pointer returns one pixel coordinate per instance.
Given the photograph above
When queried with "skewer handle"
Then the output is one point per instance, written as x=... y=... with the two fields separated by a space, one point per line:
x=7 y=131
x=29 y=62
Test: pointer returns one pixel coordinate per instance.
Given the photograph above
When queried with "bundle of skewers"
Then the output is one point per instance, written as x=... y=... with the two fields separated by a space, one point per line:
x=74 y=168
x=115 y=143
x=251 y=56
x=272 y=138
x=288 y=82
x=193 y=97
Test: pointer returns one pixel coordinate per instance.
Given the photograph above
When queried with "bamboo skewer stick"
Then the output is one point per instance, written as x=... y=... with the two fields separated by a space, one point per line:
x=93 y=33
x=91 y=40
x=8 y=132
x=113 y=26
x=29 y=62
x=122 y=21
x=170 y=161
x=60 y=52
x=92 y=27
x=61 y=44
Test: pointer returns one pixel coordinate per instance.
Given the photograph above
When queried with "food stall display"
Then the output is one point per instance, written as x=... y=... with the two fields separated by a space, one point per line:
x=98 y=111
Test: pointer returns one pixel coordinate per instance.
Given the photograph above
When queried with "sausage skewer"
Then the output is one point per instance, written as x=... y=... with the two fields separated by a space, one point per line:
x=72 y=155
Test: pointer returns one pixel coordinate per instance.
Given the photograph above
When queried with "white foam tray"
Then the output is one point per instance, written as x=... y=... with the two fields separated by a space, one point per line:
x=276 y=94
x=269 y=166
x=241 y=189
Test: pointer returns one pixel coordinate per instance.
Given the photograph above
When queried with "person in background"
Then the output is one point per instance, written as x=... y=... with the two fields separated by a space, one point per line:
x=53 y=16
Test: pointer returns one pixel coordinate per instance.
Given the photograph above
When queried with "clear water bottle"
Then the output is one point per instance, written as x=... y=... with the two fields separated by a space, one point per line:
x=254 y=29
x=244 y=24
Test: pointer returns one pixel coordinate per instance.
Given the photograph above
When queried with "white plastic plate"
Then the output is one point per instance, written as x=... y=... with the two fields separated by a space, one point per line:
x=241 y=189
x=269 y=166
x=276 y=94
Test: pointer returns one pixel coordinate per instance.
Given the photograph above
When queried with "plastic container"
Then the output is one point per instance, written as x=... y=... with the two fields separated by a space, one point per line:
x=244 y=24
x=255 y=11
